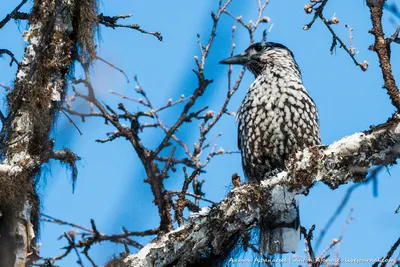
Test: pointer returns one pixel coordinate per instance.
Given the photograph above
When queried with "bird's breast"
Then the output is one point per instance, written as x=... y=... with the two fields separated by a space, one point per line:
x=277 y=116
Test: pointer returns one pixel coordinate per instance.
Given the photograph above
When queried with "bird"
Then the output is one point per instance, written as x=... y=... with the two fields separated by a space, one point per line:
x=276 y=118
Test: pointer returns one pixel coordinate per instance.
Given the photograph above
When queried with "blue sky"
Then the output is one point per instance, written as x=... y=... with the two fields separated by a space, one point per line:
x=110 y=186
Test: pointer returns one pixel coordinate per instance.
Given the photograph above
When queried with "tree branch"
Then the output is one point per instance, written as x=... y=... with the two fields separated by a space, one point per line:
x=112 y=22
x=346 y=160
x=14 y=14
x=335 y=38
x=382 y=48
x=8 y=52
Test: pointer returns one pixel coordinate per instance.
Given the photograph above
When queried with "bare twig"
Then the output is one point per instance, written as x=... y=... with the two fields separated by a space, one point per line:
x=339 y=241
x=308 y=236
x=8 y=52
x=388 y=255
x=13 y=14
x=181 y=202
x=8 y=88
x=113 y=66
x=71 y=121
x=112 y=22
x=177 y=192
x=139 y=101
x=252 y=26
x=395 y=37
x=51 y=219
x=335 y=39
x=317 y=13
x=91 y=236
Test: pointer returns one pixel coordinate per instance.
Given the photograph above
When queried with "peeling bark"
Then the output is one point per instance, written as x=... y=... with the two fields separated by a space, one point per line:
x=207 y=232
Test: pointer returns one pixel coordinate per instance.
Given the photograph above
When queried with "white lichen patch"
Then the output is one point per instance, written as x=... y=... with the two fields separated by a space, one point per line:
x=277 y=179
x=32 y=35
x=346 y=145
x=203 y=212
x=55 y=88
x=21 y=74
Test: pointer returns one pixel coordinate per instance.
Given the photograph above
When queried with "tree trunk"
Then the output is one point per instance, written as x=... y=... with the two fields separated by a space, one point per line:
x=53 y=36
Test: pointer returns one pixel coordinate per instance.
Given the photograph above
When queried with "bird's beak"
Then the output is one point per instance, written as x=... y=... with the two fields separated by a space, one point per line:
x=238 y=59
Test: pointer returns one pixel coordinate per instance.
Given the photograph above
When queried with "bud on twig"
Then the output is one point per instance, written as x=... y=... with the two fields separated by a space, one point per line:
x=364 y=65
x=308 y=8
x=265 y=20
x=209 y=115
x=333 y=20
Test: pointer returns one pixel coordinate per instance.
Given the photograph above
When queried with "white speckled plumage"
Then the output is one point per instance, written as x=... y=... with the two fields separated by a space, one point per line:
x=277 y=115
x=276 y=118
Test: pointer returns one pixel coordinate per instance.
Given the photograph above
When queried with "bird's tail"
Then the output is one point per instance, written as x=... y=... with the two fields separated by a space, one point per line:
x=280 y=228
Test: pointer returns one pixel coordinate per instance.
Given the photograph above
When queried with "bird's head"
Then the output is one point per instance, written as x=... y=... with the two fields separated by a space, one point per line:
x=260 y=55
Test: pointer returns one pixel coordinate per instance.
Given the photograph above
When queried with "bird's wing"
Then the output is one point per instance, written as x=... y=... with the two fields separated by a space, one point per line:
x=239 y=120
x=239 y=139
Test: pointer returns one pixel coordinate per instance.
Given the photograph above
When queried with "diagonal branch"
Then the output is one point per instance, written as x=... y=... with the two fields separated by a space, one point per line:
x=112 y=23
x=13 y=14
x=346 y=160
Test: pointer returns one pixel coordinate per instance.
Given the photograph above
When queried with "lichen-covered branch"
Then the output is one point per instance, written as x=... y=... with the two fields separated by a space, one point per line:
x=207 y=232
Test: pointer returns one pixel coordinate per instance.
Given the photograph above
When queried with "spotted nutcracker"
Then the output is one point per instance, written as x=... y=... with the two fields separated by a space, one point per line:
x=276 y=118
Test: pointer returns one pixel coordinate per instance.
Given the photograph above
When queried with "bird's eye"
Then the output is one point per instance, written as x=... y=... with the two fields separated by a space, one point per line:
x=258 y=47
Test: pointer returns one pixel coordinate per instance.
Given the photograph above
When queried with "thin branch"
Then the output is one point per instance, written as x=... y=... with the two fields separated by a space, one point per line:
x=252 y=26
x=13 y=14
x=71 y=121
x=8 y=52
x=8 y=88
x=339 y=241
x=113 y=66
x=335 y=39
x=139 y=101
x=167 y=166
x=395 y=37
x=51 y=219
x=308 y=236
x=91 y=236
x=388 y=255
x=112 y=137
x=340 y=208
x=71 y=242
x=318 y=11
x=177 y=192
x=112 y=23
